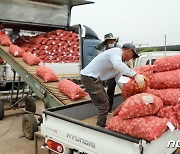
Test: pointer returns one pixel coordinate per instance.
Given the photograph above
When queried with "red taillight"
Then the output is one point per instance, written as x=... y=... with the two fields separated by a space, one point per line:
x=55 y=146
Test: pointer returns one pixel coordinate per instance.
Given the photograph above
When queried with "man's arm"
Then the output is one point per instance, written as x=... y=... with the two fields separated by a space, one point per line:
x=118 y=64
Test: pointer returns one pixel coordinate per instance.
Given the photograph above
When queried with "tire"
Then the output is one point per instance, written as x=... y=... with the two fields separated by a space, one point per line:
x=29 y=126
x=1 y=110
x=30 y=104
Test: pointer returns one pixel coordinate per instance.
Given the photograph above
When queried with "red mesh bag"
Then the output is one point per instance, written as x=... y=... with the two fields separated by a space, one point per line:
x=49 y=47
x=164 y=80
x=25 y=49
x=171 y=113
x=52 y=37
x=1 y=61
x=65 y=33
x=19 y=42
x=60 y=54
x=72 y=90
x=140 y=105
x=77 y=44
x=68 y=34
x=75 y=39
x=42 y=52
x=61 y=43
x=56 y=52
x=55 y=47
x=57 y=32
x=46 y=73
x=131 y=87
x=37 y=52
x=55 y=61
x=117 y=110
x=72 y=44
x=148 y=128
x=74 y=35
x=5 y=39
x=31 y=39
x=50 y=42
x=25 y=45
x=42 y=47
x=64 y=38
x=30 y=59
x=70 y=39
x=54 y=57
x=47 y=34
x=38 y=40
x=30 y=50
x=168 y=63
x=56 y=41
x=35 y=46
x=47 y=57
x=16 y=51
x=44 y=41
x=168 y=96
x=42 y=57
x=48 y=61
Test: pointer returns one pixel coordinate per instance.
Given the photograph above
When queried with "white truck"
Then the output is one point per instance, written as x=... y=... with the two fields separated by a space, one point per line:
x=71 y=129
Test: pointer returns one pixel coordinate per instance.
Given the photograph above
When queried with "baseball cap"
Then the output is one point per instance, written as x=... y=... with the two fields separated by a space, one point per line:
x=131 y=46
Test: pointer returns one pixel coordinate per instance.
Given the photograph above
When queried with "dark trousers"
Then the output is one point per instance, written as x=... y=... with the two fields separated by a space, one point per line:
x=111 y=84
x=96 y=91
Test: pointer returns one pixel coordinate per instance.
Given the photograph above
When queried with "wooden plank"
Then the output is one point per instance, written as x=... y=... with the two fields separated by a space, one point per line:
x=52 y=84
x=62 y=99
x=69 y=101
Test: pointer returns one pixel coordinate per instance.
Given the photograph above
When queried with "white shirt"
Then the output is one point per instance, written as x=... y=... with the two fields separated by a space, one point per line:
x=107 y=65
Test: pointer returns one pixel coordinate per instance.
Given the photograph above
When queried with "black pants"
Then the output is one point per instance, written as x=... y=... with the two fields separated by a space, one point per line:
x=98 y=96
x=111 y=84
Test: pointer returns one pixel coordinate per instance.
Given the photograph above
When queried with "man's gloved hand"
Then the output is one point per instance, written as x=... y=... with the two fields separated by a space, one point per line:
x=140 y=80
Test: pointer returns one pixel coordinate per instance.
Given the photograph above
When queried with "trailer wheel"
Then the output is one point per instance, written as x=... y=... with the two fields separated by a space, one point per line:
x=29 y=126
x=30 y=104
x=1 y=110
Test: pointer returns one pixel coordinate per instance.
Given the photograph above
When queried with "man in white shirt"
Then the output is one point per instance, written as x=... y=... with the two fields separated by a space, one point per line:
x=103 y=67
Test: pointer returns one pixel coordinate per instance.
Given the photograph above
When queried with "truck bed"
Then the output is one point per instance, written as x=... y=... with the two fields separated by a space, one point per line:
x=68 y=124
x=92 y=120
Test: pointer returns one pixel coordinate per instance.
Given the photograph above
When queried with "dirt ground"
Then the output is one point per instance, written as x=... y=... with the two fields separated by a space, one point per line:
x=11 y=134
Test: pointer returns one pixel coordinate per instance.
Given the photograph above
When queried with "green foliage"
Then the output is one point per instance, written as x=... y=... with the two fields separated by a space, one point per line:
x=147 y=50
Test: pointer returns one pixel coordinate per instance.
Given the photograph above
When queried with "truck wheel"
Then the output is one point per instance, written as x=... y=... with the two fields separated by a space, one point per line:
x=1 y=110
x=30 y=104
x=29 y=126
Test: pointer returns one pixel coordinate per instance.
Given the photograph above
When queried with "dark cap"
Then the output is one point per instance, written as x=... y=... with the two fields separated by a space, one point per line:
x=131 y=46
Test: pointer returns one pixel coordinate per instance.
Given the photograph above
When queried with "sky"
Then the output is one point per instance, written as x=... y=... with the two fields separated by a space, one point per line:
x=142 y=22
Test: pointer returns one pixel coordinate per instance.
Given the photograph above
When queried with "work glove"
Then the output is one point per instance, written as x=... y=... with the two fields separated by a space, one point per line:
x=140 y=80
